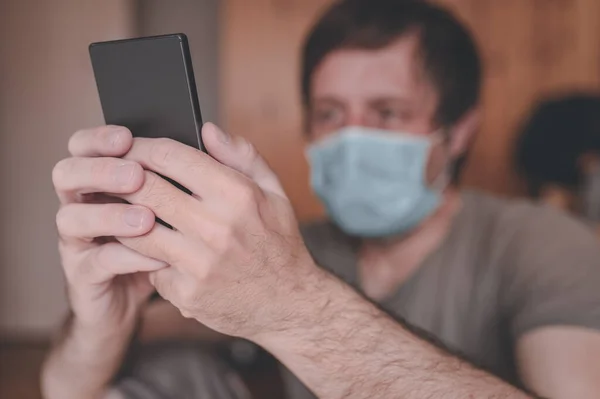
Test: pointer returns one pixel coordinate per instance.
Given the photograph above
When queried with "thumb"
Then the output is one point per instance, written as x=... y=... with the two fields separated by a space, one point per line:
x=239 y=154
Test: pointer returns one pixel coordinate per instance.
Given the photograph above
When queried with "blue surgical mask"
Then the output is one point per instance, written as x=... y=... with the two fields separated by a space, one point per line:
x=372 y=182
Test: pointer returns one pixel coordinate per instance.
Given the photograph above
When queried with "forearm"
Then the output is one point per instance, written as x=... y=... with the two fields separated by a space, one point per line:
x=347 y=348
x=83 y=361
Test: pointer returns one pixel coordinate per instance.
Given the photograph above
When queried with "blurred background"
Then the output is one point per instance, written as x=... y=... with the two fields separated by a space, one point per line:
x=245 y=55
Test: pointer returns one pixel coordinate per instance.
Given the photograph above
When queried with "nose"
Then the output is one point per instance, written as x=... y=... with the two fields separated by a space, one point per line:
x=361 y=118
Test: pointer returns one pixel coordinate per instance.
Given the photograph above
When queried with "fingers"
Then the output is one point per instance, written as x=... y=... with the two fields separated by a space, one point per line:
x=160 y=243
x=188 y=166
x=104 y=262
x=239 y=154
x=75 y=176
x=84 y=222
x=166 y=201
x=105 y=141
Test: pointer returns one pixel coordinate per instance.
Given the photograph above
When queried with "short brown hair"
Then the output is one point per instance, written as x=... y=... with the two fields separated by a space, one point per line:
x=447 y=49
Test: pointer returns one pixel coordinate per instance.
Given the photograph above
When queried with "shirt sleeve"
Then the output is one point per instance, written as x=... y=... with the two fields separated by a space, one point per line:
x=552 y=276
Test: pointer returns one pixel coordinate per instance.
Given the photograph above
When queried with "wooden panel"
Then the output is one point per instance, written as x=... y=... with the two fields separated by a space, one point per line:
x=530 y=47
x=259 y=85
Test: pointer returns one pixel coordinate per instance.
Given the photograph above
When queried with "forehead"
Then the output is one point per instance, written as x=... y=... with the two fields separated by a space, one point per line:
x=394 y=70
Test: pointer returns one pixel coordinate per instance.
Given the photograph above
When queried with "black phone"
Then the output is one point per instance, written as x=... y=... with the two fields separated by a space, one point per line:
x=147 y=85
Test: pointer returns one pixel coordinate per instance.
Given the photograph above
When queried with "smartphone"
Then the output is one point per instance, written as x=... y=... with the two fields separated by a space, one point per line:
x=147 y=85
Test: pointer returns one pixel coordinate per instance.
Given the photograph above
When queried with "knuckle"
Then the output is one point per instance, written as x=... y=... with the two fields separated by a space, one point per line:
x=74 y=138
x=155 y=191
x=245 y=193
x=247 y=197
x=221 y=238
x=61 y=171
x=150 y=183
x=250 y=151
x=66 y=253
x=63 y=219
x=162 y=152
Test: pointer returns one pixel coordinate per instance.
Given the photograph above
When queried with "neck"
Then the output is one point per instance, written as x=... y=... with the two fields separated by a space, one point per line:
x=435 y=225
x=385 y=264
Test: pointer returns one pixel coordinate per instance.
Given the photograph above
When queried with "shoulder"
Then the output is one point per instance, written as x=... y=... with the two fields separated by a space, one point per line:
x=548 y=264
x=524 y=222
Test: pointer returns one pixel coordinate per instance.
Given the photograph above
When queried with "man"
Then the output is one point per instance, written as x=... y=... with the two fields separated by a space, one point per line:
x=390 y=91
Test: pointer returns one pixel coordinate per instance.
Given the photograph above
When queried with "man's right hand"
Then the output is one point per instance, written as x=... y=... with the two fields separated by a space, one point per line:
x=106 y=281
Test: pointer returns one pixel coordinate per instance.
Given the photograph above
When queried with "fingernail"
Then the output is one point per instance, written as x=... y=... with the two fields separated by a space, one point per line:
x=134 y=217
x=115 y=136
x=125 y=173
x=221 y=135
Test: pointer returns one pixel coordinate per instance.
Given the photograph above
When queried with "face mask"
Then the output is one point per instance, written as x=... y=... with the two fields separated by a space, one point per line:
x=591 y=196
x=372 y=182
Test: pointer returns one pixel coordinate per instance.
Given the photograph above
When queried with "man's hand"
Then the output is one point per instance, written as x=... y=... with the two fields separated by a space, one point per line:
x=238 y=265
x=105 y=279
x=107 y=282
x=235 y=252
x=236 y=262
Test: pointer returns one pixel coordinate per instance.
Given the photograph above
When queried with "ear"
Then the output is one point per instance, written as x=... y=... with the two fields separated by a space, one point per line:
x=463 y=132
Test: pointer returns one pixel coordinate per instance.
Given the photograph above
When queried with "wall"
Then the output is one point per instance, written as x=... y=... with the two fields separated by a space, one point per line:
x=198 y=19
x=47 y=92
x=530 y=47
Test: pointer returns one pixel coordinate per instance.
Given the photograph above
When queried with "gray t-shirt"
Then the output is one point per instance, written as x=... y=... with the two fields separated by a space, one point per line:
x=505 y=268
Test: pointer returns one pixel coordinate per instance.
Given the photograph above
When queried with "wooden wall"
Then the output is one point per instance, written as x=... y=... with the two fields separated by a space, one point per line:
x=530 y=47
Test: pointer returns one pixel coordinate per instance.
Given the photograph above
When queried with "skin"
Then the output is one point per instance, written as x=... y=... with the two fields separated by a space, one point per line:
x=236 y=263
x=373 y=88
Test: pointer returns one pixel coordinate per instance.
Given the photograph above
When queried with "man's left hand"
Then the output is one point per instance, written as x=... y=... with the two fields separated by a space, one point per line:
x=235 y=253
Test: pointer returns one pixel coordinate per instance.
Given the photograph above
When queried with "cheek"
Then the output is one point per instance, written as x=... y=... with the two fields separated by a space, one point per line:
x=436 y=162
x=316 y=133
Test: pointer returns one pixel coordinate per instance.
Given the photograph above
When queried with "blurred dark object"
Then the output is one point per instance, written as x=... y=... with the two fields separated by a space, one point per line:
x=258 y=369
x=558 y=152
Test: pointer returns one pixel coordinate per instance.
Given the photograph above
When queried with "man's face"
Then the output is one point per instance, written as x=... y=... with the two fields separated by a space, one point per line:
x=384 y=89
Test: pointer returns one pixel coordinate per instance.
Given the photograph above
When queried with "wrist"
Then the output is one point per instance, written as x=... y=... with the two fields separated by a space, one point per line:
x=92 y=340
x=307 y=310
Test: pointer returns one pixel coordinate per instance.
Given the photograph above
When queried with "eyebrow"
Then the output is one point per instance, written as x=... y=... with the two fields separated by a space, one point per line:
x=388 y=99
x=371 y=101
x=328 y=100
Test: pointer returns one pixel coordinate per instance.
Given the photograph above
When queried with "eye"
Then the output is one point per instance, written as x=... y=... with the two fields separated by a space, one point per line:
x=387 y=113
x=327 y=116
